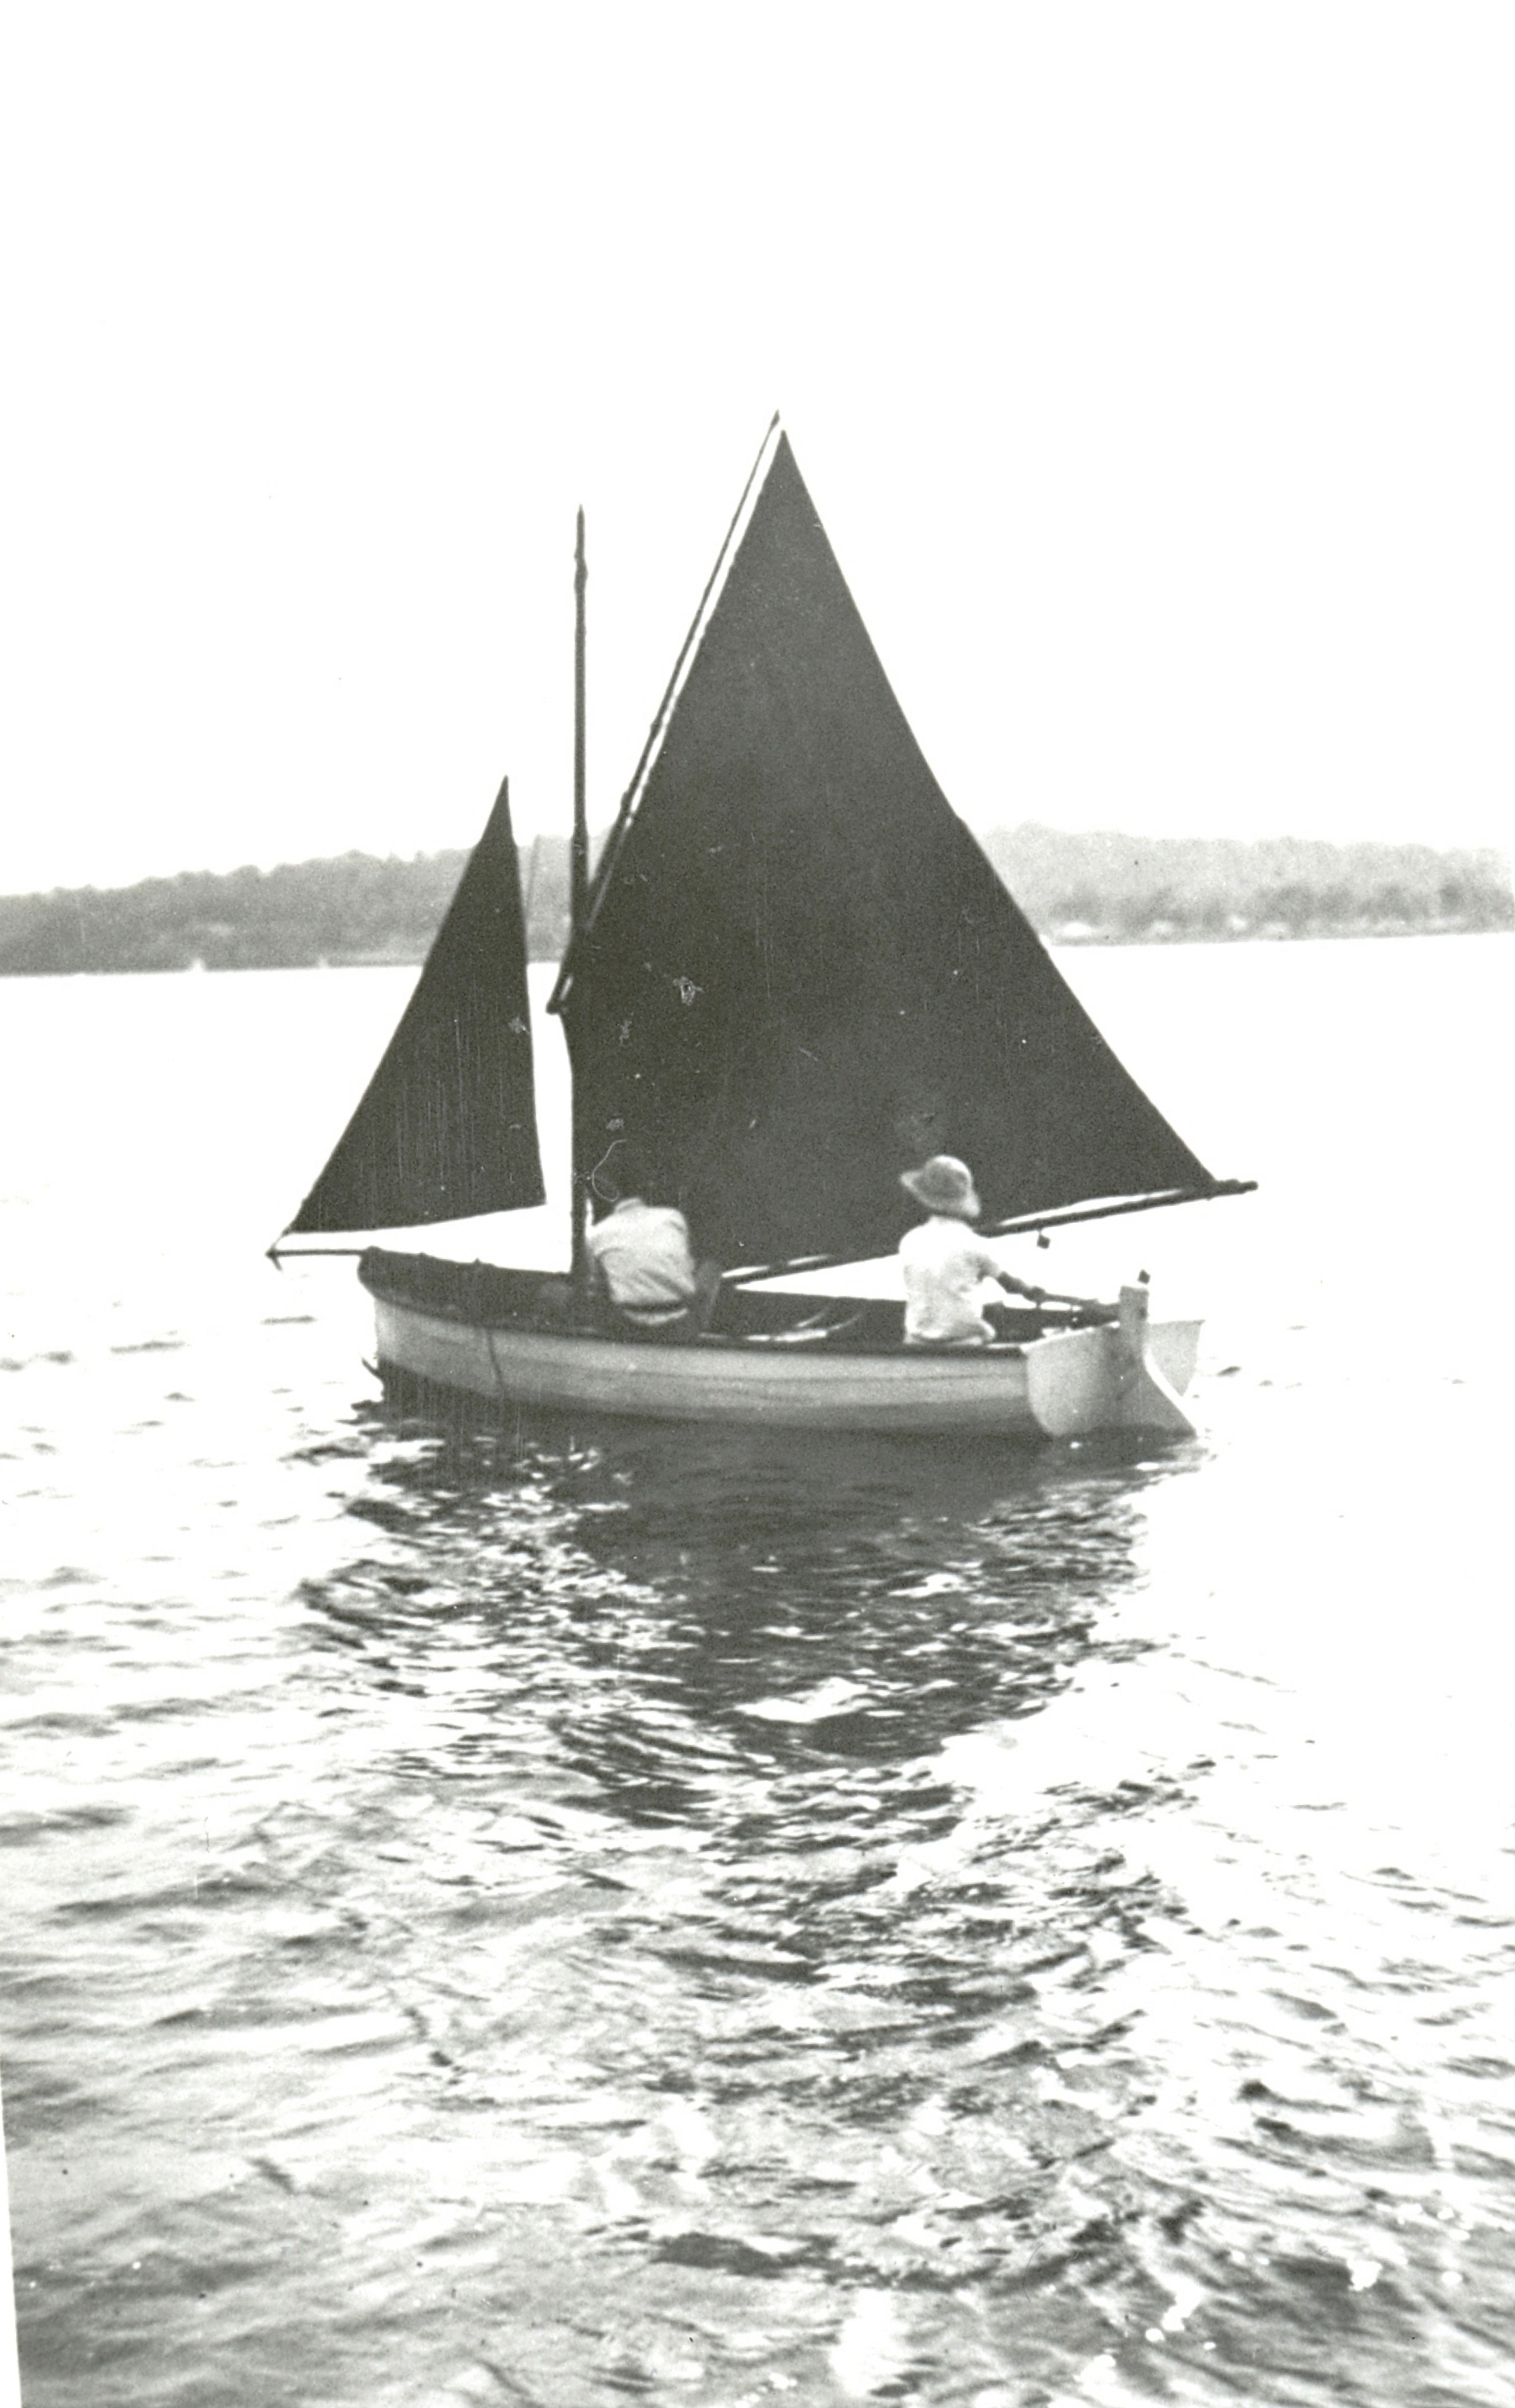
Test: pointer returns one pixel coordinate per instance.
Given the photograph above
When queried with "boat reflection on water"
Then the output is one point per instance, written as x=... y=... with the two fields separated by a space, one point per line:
x=789 y=2002
x=862 y=1596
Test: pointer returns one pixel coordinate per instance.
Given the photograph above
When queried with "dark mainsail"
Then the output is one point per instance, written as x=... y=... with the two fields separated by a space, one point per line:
x=799 y=974
x=448 y=1124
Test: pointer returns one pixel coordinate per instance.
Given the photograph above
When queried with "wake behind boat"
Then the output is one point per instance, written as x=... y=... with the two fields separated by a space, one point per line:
x=793 y=976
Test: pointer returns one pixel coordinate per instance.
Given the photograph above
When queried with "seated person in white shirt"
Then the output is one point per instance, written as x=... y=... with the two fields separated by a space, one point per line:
x=944 y=1265
x=642 y=1255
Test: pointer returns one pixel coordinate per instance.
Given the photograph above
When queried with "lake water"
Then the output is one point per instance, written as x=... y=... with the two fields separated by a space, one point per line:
x=692 y=1917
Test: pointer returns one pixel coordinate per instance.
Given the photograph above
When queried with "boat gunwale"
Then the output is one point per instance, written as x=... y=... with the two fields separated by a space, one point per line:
x=765 y=1358
x=768 y=1344
x=786 y=1344
x=916 y=1392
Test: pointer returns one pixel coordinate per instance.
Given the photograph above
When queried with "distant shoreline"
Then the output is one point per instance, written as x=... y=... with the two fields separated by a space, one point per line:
x=1096 y=944
x=359 y=911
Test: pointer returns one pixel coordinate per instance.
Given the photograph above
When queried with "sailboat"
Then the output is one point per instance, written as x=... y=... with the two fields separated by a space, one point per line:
x=792 y=976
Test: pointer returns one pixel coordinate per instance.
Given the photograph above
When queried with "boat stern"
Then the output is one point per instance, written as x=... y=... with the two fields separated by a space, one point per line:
x=1128 y=1374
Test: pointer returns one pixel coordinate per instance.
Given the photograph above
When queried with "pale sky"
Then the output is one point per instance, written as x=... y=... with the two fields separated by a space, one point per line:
x=1151 y=365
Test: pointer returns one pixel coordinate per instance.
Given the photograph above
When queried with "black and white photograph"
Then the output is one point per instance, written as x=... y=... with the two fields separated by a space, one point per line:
x=756 y=970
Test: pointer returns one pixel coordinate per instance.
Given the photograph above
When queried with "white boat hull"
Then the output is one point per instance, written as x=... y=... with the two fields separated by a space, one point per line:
x=1059 y=1386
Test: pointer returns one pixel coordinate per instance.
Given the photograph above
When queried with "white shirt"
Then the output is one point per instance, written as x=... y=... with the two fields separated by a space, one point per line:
x=945 y=1266
x=645 y=1253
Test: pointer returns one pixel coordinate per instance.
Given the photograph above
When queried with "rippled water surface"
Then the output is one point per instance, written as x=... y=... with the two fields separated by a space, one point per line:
x=571 y=1914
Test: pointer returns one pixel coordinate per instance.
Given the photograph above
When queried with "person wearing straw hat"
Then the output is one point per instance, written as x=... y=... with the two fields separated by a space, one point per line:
x=944 y=1265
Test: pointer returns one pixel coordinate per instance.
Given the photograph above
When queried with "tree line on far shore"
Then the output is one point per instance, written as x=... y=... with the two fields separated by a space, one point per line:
x=1143 y=890
x=1076 y=889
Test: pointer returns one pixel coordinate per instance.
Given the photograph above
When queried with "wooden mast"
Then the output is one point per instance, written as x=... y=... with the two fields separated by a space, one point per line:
x=632 y=795
x=578 y=900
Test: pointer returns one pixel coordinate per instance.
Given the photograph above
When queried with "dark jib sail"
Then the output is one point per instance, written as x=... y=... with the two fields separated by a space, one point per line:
x=799 y=974
x=448 y=1125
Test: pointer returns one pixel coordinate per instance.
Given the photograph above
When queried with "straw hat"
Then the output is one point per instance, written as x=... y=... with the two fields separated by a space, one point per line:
x=943 y=1185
